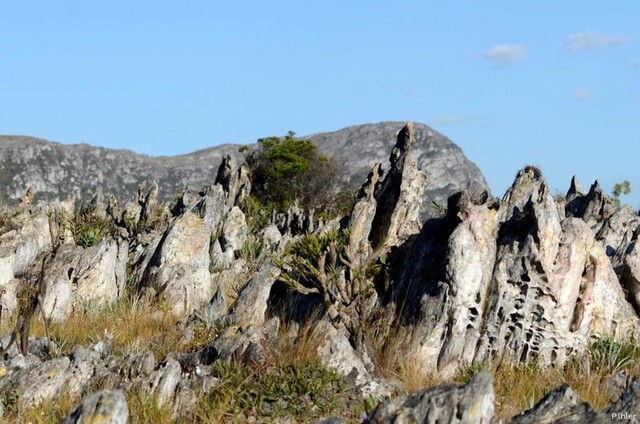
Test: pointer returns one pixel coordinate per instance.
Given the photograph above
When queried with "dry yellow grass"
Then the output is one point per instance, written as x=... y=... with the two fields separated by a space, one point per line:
x=144 y=409
x=289 y=349
x=127 y=325
x=48 y=412
x=393 y=360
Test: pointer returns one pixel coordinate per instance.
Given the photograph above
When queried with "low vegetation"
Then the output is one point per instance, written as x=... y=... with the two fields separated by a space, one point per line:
x=88 y=227
x=128 y=326
x=519 y=387
x=300 y=390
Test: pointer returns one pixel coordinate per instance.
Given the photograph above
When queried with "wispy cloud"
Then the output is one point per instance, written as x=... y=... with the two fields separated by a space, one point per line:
x=582 y=94
x=504 y=54
x=593 y=40
x=636 y=63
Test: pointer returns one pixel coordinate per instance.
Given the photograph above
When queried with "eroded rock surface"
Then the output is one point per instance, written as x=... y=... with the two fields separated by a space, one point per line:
x=522 y=282
x=470 y=403
x=107 y=406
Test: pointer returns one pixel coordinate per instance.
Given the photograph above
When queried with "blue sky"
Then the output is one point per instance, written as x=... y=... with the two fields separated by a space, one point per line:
x=555 y=84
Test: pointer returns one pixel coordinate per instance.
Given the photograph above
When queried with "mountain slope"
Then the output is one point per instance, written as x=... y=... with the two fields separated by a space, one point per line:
x=58 y=170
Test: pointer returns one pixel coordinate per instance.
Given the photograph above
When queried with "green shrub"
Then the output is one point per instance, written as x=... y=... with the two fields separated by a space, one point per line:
x=301 y=390
x=287 y=169
x=608 y=356
x=89 y=228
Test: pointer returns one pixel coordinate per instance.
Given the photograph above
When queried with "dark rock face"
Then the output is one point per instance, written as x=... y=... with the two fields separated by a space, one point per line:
x=57 y=171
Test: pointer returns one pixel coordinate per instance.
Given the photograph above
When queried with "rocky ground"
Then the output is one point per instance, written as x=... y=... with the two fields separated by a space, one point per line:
x=523 y=309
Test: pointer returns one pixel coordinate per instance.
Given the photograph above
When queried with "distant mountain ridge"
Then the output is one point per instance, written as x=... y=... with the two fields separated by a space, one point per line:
x=57 y=170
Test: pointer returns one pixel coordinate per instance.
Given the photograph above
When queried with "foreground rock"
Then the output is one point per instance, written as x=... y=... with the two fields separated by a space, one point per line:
x=517 y=281
x=563 y=405
x=107 y=406
x=469 y=403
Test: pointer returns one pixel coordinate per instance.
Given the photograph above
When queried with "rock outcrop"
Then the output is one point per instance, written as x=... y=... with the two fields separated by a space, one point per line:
x=470 y=403
x=81 y=170
x=520 y=282
x=529 y=279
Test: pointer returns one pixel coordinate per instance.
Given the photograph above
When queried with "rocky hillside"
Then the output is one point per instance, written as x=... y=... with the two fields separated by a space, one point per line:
x=56 y=170
x=524 y=309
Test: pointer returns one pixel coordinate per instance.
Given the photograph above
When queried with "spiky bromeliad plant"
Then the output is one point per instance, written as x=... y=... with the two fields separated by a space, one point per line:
x=319 y=263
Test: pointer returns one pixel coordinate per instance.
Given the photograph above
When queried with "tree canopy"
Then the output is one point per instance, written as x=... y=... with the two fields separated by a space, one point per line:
x=285 y=169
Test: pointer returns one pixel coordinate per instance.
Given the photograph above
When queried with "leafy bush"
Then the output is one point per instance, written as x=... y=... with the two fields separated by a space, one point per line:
x=620 y=189
x=287 y=169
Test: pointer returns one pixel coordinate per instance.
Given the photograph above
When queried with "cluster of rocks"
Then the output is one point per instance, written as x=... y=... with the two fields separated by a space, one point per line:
x=526 y=278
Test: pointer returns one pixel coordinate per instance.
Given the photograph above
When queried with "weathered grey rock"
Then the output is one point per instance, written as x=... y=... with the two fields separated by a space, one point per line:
x=115 y=372
x=45 y=382
x=332 y=420
x=271 y=236
x=594 y=208
x=106 y=406
x=361 y=219
x=294 y=221
x=561 y=405
x=336 y=353
x=235 y=233
x=553 y=285
x=400 y=195
x=520 y=283
x=83 y=367
x=250 y=306
x=101 y=274
x=179 y=271
x=472 y=250
x=359 y=147
x=629 y=273
x=627 y=407
x=470 y=403
x=59 y=277
x=211 y=207
x=19 y=248
x=163 y=381
x=234 y=179
x=79 y=170
x=618 y=231
x=233 y=343
x=89 y=277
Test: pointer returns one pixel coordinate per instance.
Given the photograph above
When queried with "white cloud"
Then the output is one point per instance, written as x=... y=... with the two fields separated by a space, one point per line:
x=582 y=94
x=503 y=54
x=636 y=63
x=593 y=40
